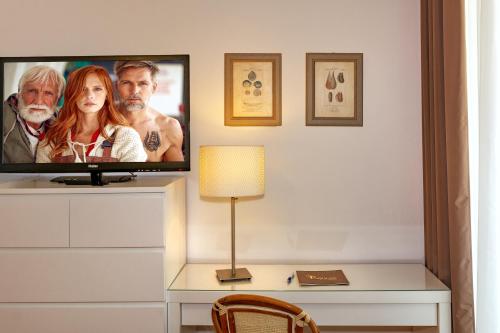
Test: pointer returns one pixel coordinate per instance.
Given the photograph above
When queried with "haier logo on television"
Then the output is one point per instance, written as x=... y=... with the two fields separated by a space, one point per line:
x=93 y=166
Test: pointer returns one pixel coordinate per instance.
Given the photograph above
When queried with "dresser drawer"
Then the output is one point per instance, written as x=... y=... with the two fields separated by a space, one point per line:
x=81 y=275
x=34 y=221
x=82 y=318
x=117 y=220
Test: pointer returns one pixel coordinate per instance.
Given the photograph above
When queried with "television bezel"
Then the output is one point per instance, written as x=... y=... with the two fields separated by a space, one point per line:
x=109 y=166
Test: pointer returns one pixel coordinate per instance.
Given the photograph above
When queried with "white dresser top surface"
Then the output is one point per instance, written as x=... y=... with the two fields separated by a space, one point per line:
x=141 y=184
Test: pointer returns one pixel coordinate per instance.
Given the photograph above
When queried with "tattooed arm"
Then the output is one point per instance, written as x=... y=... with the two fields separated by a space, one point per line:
x=174 y=135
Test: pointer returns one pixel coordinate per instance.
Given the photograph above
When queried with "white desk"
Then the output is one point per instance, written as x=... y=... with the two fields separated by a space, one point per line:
x=378 y=295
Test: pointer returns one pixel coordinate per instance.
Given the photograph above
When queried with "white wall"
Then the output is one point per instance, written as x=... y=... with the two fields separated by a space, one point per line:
x=333 y=194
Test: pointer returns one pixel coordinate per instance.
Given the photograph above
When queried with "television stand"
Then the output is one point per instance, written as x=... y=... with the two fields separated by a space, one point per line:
x=87 y=258
x=95 y=179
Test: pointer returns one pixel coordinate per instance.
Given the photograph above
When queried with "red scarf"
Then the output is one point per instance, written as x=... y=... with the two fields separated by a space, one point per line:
x=39 y=134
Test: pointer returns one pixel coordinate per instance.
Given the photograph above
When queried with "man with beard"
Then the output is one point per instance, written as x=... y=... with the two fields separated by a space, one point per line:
x=161 y=135
x=26 y=115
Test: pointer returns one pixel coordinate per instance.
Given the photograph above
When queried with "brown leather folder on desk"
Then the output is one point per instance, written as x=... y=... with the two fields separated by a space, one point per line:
x=322 y=278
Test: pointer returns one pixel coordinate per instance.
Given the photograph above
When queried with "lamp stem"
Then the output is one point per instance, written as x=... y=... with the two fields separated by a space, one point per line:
x=233 y=269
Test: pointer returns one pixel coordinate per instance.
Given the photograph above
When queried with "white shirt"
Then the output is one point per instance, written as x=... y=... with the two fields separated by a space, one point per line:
x=31 y=133
x=127 y=146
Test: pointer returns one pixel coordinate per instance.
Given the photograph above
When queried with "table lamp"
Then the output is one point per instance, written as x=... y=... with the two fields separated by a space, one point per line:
x=232 y=172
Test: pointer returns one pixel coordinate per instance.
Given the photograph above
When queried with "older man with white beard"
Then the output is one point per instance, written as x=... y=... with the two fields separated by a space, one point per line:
x=26 y=115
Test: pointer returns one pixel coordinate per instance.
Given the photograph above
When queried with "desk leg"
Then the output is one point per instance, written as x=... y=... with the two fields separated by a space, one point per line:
x=174 y=317
x=444 y=321
x=444 y=317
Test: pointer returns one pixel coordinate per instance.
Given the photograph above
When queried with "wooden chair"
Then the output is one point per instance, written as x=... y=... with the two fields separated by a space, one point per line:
x=258 y=314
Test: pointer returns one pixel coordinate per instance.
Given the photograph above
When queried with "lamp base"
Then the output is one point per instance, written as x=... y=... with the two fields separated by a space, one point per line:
x=226 y=274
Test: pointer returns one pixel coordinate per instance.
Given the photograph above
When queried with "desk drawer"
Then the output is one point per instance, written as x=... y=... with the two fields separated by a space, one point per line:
x=117 y=220
x=81 y=275
x=361 y=314
x=405 y=314
x=34 y=221
x=82 y=318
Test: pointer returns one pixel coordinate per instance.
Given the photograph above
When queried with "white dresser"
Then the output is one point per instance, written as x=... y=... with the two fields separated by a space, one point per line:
x=89 y=259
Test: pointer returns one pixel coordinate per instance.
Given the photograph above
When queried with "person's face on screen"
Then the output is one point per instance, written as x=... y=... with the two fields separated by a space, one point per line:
x=135 y=87
x=93 y=96
x=38 y=101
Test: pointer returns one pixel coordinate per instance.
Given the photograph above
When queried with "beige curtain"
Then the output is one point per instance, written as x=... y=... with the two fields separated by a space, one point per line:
x=445 y=154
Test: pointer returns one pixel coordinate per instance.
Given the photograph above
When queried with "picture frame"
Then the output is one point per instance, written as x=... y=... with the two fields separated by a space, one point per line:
x=252 y=89
x=334 y=89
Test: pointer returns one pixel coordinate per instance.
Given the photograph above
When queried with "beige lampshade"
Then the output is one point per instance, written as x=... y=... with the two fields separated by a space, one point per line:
x=231 y=171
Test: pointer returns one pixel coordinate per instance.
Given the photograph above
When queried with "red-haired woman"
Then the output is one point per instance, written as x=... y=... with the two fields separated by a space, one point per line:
x=89 y=129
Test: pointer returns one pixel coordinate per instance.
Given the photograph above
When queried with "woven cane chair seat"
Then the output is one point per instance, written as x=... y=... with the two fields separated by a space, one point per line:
x=258 y=314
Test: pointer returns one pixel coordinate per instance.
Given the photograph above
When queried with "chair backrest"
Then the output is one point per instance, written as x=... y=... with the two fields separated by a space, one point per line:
x=258 y=314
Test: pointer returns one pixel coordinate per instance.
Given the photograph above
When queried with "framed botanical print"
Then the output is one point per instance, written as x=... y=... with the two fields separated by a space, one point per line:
x=334 y=89
x=252 y=89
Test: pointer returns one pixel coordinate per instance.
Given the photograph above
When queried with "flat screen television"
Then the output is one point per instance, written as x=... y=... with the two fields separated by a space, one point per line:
x=81 y=114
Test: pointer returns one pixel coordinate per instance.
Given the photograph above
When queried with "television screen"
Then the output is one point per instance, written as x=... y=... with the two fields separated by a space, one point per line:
x=103 y=113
